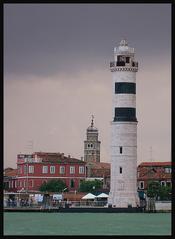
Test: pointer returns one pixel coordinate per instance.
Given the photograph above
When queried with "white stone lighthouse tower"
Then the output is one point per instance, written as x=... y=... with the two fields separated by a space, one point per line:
x=123 y=189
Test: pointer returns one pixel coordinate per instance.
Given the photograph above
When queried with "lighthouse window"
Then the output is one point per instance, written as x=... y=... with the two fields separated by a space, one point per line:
x=121 y=150
x=125 y=88
x=120 y=170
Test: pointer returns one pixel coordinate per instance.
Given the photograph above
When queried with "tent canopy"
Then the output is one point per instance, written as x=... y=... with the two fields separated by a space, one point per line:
x=89 y=196
x=103 y=195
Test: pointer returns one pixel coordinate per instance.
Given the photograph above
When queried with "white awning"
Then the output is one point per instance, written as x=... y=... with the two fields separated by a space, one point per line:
x=103 y=195
x=89 y=196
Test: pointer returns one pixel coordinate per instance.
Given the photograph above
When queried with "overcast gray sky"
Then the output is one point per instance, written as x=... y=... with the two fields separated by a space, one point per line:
x=56 y=75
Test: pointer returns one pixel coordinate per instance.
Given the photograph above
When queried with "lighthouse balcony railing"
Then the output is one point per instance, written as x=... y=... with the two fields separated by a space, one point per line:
x=122 y=63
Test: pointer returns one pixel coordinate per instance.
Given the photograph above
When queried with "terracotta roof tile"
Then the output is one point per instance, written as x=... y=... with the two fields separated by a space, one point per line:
x=11 y=173
x=155 y=164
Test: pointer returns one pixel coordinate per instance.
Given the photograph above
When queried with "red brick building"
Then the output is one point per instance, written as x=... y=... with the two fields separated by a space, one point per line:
x=39 y=167
x=153 y=171
x=45 y=166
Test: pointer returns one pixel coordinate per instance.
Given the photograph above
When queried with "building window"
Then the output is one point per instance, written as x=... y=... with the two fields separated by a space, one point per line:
x=72 y=184
x=120 y=170
x=52 y=169
x=121 y=149
x=81 y=169
x=25 y=169
x=19 y=169
x=163 y=183
x=31 y=183
x=45 y=169
x=141 y=185
x=72 y=169
x=20 y=184
x=90 y=145
x=31 y=169
x=24 y=183
x=15 y=184
x=167 y=170
x=12 y=184
x=62 y=169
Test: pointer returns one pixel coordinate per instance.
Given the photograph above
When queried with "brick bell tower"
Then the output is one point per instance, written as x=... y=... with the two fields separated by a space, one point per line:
x=92 y=144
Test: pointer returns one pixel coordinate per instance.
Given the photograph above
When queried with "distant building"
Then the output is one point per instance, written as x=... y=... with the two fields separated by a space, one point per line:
x=153 y=171
x=39 y=167
x=99 y=170
x=92 y=144
x=10 y=179
x=45 y=166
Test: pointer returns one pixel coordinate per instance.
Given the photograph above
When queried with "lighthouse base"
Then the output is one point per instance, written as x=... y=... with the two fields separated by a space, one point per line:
x=123 y=201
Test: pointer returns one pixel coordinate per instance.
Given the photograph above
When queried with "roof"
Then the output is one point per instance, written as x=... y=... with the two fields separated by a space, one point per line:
x=89 y=196
x=72 y=196
x=99 y=165
x=155 y=164
x=153 y=173
x=11 y=173
x=103 y=195
x=8 y=169
x=57 y=158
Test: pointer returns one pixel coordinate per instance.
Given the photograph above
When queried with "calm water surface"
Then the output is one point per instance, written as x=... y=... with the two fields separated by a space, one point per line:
x=32 y=223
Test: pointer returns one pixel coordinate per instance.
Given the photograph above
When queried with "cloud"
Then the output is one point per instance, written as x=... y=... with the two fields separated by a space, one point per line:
x=55 y=112
x=73 y=37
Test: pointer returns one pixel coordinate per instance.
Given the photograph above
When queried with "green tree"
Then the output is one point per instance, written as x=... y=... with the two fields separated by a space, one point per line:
x=156 y=190
x=54 y=185
x=153 y=189
x=165 y=193
x=90 y=186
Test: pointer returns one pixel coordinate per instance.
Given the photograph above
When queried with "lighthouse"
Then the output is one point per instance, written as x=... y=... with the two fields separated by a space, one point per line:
x=123 y=187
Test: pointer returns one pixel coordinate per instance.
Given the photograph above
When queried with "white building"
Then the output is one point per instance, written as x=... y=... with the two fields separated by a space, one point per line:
x=123 y=187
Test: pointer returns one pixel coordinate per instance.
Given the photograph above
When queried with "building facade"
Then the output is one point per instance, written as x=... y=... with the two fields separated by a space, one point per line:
x=10 y=180
x=123 y=190
x=100 y=171
x=35 y=169
x=146 y=172
x=153 y=172
x=92 y=144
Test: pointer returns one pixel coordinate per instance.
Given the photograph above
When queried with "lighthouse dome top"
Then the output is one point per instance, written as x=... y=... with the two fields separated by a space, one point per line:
x=123 y=42
x=123 y=48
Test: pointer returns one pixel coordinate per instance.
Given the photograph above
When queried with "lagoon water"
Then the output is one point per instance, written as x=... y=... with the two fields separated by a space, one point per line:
x=32 y=223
